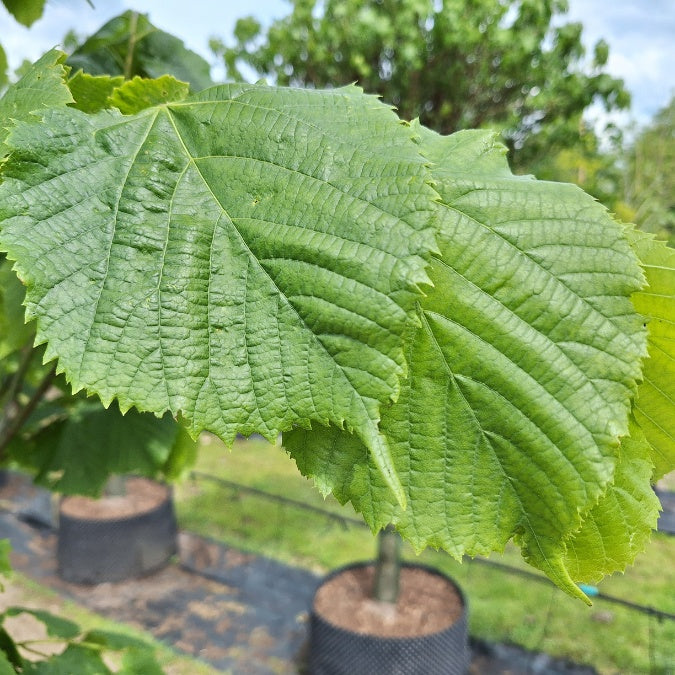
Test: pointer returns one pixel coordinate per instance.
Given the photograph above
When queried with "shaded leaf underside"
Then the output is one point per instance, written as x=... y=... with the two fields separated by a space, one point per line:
x=63 y=458
x=247 y=259
x=520 y=374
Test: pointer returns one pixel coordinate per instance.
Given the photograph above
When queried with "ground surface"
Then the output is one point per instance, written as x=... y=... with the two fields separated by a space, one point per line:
x=243 y=613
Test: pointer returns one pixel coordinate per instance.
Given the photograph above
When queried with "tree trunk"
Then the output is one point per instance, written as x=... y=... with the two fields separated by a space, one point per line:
x=387 y=565
x=116 y=486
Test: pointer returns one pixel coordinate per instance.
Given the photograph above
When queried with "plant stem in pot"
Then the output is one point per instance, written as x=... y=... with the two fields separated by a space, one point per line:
x=387 y=565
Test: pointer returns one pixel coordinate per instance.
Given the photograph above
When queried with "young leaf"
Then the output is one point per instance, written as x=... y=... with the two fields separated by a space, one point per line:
x=42 y=86
x=139 y=94
x=520 y=372
x=655 y=401
x=247 y=258
x=91 y=92
x=130 y=45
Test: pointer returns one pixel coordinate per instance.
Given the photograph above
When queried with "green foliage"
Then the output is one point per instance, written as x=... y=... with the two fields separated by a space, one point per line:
x=48 y=436
x=536 y=444
x=503 y=607
x=3 y=69
x=130 y=45
x=651 y=175
x=91 y=92
x=598 y=171
x=139 y=94
x=41 y=86
x=25 y=12
x=294 y=318
x=608 y=539
x=261 y=259
x=83 y=652
x=64 y=459
x=456 y=64
x=14 y=333
x=656 y=394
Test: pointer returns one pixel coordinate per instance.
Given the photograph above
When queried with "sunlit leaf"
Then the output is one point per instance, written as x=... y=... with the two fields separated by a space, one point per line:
x=619 y=526
x=56 y=626
x=655 y=401
x=91 y=92
x=247 y=259
x=139 y=94
x=43 y=85
x=520 y=373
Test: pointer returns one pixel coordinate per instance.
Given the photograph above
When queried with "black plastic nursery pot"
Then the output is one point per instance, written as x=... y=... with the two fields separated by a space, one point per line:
x=95 y=549
x=335 y=650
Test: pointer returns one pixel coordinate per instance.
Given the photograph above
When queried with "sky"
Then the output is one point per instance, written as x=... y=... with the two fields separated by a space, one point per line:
x=639 y=32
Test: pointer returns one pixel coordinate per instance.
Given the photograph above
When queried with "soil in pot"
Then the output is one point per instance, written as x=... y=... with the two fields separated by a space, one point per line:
x=427 y=603
x=424 y=633
x=142 y=495
x=116 y=537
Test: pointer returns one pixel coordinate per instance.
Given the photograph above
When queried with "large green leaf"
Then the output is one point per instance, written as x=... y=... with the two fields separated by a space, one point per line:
x=247 y=259
x=655 y=402
x=63 y=457
x=130 y=45
x=618 y=527
x=43 y=85
x=520 y=372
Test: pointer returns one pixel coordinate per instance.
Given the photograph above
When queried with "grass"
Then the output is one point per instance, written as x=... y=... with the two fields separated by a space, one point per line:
x=21 y=591
x=503 y=607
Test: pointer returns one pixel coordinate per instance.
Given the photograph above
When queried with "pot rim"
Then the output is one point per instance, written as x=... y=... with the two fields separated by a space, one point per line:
x=315 y=616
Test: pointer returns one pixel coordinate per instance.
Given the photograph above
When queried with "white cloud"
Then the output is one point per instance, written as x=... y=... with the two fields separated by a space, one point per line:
x=642 y=46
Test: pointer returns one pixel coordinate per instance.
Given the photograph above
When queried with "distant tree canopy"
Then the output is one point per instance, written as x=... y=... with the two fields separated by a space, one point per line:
x=650 y=187
x=510 y=64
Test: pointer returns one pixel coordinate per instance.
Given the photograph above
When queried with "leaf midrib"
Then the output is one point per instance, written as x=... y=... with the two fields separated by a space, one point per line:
x=251 y=255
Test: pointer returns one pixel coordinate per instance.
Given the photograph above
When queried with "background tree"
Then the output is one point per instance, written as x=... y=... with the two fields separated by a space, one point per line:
x=456 y=64
x=650 y=175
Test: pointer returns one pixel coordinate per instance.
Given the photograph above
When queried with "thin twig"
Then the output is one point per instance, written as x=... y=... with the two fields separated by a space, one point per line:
x=15 y=424
x=16 y=382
